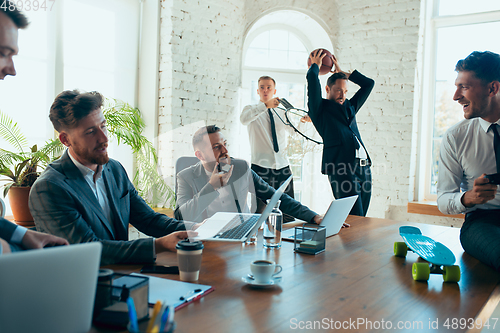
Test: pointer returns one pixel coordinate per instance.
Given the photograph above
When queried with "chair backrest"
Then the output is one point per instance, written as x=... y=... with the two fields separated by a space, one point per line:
x=182 y=163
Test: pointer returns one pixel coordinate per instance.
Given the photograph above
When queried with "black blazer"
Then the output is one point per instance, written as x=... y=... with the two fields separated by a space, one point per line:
x=337 y=123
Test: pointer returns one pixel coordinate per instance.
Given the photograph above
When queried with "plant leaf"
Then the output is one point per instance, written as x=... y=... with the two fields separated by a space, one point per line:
x=10 y=132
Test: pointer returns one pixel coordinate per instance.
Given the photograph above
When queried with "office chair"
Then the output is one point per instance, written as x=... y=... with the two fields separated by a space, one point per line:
x=182 y=163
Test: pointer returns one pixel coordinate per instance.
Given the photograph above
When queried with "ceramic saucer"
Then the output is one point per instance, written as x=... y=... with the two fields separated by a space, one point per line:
x=248 y=279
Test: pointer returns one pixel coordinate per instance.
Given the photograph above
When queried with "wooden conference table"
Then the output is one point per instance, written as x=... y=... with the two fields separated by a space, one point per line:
x=357 y=280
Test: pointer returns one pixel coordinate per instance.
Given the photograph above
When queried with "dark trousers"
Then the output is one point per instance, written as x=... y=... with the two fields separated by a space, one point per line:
x=275 y=178
x=352 y=180
x=480 y=236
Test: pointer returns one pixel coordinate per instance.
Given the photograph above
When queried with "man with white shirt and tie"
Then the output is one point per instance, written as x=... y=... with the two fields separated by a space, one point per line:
x=469 y=151
x=268 y=140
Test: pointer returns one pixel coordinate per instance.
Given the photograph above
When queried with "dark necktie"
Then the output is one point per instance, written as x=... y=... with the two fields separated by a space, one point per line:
x=273 y=131
x=496 y=144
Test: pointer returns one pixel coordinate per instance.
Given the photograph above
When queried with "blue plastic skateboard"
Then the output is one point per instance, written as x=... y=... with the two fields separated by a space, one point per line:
x=440 y=258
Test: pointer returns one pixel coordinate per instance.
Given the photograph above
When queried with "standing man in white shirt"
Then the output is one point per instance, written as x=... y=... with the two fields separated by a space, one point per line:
x=14 y=237
x=267 y=135
x=469 y=151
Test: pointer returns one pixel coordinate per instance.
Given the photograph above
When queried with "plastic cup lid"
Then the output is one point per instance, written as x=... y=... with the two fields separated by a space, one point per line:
x=189 y=246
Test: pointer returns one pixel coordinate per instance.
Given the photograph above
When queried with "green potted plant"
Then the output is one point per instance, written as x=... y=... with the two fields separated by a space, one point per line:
x=22 y=166
x=125 y=124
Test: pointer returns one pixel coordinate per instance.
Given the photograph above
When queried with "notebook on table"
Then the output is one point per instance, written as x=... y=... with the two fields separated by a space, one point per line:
x=333 y=220
x=50 y=290
x=236 y=227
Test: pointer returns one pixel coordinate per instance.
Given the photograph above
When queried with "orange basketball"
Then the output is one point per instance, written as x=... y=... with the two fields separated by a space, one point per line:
x=327 y=63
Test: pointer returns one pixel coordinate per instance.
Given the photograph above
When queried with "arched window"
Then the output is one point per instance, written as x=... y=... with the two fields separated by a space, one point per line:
x=276 y=49
x=278 y=45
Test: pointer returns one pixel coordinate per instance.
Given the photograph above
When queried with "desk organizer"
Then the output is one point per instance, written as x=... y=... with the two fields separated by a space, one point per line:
x=304 y=243
x=110 y=308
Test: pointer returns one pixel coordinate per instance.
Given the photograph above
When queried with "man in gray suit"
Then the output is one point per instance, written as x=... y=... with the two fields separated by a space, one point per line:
x=14 y=237
x=203 y=189
x=85 y=196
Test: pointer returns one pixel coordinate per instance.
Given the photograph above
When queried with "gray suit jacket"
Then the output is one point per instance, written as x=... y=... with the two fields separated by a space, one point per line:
x=195 y=194
x=63 y=204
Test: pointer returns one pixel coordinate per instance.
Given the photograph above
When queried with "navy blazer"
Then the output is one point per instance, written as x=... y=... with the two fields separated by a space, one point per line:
x=195 y=194
x=336 y=123
x=63 y=204
x=7 y=229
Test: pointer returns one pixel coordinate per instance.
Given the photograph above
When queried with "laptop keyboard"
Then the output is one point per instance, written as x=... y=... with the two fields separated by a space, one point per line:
x=238 y=227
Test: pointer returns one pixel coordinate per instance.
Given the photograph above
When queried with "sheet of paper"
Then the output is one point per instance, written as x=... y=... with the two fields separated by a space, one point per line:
x=171 y=291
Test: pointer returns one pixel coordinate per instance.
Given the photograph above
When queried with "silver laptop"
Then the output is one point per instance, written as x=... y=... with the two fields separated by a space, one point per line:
x=50 y=290
x=333 y=220
x=235 y=227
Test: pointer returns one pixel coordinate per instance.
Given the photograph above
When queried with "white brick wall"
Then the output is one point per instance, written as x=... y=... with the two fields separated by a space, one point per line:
x=201 y=45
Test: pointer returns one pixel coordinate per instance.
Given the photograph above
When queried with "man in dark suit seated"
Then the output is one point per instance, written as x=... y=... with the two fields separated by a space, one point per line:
x=13 y=237
x=85 y=196
x=345 y=158
x=203 y=190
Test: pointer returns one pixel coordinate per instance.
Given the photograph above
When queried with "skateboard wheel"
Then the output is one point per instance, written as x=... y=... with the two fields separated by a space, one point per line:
x=420 y=271
x=451 y=273
x=400 y=249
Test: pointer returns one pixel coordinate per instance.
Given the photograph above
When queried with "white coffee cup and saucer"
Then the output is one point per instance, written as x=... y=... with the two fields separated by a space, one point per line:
x=264 y=274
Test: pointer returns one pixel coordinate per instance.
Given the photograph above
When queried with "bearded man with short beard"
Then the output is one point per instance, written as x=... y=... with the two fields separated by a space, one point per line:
x=85 y=196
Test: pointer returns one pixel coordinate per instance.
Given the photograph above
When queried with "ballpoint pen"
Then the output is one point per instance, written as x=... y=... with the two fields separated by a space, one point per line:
x=196 y=296
x=157 y=322
x=164 y=319
x=170 y=319
x=156 y=310
x=183 y=298
x=132 y=314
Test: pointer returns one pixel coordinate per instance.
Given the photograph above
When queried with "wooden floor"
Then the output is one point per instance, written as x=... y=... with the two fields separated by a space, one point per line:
x=356 y=280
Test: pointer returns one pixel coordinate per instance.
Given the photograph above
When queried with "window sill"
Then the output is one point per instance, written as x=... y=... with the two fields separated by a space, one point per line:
x=428 y=208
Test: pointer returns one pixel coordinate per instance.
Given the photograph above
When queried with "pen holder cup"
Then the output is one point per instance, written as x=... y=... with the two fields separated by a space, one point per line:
x=309 y=239
x=171 y=329
x=110 y=307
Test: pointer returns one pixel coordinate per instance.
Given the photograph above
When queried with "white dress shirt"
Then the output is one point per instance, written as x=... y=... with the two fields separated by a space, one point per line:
x=361 y=152
x=257 y=120
x=98 y=187
x=18 y=235
x=466 y=153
